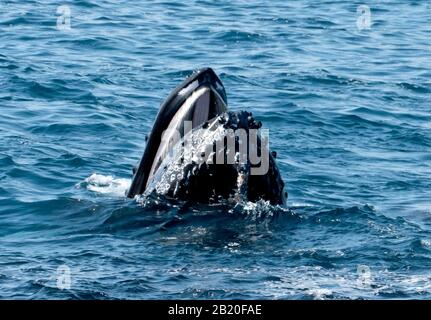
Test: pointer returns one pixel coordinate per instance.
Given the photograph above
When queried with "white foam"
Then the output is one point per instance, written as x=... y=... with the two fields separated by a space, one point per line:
x=107 y=184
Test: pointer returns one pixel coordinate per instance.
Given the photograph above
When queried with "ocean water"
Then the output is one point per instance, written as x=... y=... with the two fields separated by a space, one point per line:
x=344 y=90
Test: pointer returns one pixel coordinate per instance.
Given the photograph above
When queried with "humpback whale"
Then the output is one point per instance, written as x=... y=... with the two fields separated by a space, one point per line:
x=200 y=151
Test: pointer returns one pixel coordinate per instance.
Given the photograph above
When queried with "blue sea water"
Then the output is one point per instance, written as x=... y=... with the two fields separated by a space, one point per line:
x=349 y=113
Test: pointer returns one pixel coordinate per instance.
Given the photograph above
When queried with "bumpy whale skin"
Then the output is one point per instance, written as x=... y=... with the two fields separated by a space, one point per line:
x=193 y=174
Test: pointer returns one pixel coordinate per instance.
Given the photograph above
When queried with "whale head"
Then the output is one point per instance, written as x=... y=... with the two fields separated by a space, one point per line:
x=199 y=151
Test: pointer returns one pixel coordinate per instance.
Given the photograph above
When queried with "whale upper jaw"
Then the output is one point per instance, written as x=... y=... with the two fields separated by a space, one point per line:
x=199 y=98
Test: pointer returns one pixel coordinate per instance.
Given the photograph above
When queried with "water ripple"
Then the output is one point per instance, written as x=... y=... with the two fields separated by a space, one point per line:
x=348 y=113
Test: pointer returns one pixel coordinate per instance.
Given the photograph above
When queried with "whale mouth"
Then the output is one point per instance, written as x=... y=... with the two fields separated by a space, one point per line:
x=200 y=98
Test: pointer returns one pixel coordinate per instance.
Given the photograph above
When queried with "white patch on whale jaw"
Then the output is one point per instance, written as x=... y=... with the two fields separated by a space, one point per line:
x=196 y=108
x=189 y=88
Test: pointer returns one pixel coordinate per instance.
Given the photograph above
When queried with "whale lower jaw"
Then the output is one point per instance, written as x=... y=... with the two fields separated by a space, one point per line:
x=194 y=111
x=199 y=98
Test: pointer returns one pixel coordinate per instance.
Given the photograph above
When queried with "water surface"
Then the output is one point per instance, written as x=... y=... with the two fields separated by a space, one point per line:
x=349 y=115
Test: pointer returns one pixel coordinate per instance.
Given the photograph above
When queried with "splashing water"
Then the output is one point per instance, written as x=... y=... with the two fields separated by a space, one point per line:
x=107 y=185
